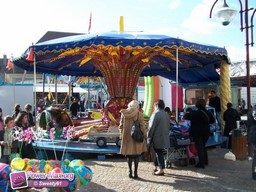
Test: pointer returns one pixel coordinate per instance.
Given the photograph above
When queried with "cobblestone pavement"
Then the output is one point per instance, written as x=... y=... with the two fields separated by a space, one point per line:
x=111 y=175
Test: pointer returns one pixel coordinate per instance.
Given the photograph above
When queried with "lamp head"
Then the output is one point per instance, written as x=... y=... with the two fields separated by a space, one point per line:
x=225 y=14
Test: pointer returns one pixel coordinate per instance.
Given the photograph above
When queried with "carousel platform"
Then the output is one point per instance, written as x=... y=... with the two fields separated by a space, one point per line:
x=216 y=140
x=76 y=147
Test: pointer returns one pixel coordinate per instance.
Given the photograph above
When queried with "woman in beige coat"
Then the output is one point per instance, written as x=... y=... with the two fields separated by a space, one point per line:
x=129 y=147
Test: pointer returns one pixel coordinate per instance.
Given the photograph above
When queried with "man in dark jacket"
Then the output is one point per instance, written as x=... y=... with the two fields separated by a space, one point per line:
x=74 y=108
x=230 y=117
x=214 y=102
x=200 y=130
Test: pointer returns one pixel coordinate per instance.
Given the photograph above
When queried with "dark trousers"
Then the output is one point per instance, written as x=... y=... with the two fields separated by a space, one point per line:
x=230 y=142
x=27 y=151
x=5 y=159
x=201 y=150
x=159 y=158
x=254 y=164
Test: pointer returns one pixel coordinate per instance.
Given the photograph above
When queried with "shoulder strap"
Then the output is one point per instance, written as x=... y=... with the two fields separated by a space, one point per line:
x=137 y=118
x=206 y=115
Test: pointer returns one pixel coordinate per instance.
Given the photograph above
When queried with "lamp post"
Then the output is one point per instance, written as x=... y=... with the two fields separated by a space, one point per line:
x=226 y=14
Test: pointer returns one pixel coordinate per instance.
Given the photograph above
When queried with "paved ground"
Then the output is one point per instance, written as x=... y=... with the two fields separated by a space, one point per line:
x=111 y=175
x=221 y=175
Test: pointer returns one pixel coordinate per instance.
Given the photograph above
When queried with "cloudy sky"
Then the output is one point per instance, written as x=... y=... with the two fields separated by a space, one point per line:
x=25 y=22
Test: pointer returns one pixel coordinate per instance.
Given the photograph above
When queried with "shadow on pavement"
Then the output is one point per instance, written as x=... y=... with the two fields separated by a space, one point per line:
x=94 y=187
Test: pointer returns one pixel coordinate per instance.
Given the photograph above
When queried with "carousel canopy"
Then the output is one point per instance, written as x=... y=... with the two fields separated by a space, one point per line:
x=115 y=52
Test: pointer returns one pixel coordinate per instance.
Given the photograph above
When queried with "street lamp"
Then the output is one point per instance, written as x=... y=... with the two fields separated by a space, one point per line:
x=226 y=14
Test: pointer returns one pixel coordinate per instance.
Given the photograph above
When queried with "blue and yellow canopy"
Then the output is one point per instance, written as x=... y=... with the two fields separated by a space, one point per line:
x=126 y=55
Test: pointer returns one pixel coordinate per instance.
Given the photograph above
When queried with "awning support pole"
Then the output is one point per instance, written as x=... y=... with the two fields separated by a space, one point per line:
x=177 y=83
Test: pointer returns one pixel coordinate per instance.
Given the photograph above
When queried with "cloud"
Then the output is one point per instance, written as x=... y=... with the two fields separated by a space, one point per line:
x=199 y=21
x=174 y=4
x=238 y=54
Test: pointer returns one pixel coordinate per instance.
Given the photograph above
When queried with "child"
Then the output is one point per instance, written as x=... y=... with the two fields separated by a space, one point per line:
x=6 y=139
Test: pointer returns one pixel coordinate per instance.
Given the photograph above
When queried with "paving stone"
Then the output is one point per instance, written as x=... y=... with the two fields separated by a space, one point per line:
x=111 y=175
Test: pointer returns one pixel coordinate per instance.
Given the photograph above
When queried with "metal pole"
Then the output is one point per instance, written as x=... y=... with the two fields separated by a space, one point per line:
x=177 y=83
x=88 y=99
x=69 y=91
x=35 y=105
x=56 y=87
x=13 y=85
x=247 y=58
x=43 y=85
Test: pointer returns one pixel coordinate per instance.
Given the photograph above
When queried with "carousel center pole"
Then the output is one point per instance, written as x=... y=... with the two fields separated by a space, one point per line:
x=121 y=24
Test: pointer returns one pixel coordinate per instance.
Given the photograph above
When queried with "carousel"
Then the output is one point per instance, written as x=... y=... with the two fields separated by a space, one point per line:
x=120 y=58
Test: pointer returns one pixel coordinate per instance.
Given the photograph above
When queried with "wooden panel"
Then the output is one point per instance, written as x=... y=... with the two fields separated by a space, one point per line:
x=239 y=147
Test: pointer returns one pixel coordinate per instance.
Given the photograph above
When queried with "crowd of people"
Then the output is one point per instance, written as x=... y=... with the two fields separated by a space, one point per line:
x=156 y=133
x=22 y=119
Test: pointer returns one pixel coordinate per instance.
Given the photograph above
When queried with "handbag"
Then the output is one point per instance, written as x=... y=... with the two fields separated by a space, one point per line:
x=150 y=155
x=136 y=132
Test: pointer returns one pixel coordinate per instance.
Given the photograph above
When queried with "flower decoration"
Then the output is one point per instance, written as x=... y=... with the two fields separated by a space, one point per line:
x=28 y=135
x=64 y=131
x=52 y=132
x=16 y=133
x=68 y=132
x=39 y=133
x=22 y=136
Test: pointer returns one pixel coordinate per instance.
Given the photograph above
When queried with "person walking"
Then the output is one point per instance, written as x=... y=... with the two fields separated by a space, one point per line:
x=200 y=130
x=158 y=134
x=230 y=117
x=129 y=147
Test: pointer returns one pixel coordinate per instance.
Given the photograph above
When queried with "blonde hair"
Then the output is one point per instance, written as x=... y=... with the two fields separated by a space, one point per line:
x=134 y=104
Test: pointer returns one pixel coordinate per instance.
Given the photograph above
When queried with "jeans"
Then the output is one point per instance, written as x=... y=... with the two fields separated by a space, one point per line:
x=159 y=158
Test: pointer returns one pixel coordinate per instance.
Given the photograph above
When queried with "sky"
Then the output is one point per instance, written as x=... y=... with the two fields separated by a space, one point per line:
x=24 y=22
